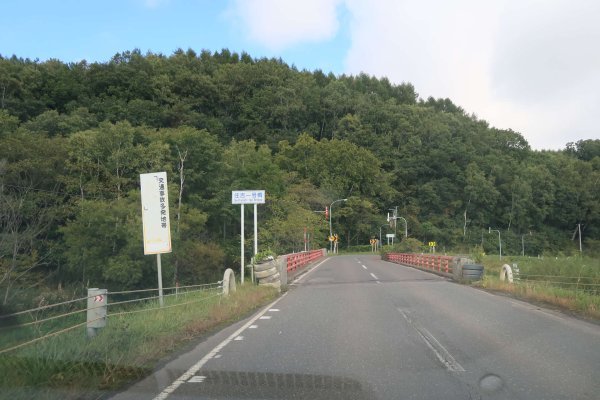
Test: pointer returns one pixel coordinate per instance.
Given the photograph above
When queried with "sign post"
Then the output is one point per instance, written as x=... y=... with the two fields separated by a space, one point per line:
x=247 y=197
x=432 y=246
x=155 y=220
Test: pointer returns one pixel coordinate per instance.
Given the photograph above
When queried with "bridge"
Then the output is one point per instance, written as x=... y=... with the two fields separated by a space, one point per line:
x=359 y=327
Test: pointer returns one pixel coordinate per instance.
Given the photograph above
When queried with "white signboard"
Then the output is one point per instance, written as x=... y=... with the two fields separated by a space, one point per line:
x=248 y=197
x=155 y=213
x=390 y=235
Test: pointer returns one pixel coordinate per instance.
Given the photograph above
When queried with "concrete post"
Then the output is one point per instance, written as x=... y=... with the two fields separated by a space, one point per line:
x=97 y=304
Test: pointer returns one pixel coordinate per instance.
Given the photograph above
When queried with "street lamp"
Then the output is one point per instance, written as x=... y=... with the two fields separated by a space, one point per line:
x=396 y=217
x=490 y=230
x=380 y=242
x=330 y=218
x=405 y=227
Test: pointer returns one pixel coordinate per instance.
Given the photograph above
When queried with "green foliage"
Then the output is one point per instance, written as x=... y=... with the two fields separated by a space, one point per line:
x=264 y=255
x=409 y=245
x=75 y=137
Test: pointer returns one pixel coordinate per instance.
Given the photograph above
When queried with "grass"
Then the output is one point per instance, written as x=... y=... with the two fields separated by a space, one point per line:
x=569 y=283
x=71 y=366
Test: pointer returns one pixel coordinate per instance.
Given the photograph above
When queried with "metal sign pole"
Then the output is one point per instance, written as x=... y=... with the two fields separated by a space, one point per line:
x=255 y=228
x=242 y=244
x=160 y=287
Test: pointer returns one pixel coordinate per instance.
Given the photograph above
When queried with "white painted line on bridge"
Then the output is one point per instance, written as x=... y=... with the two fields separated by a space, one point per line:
x=374 y=276
x=364 y=266
x=196 y=367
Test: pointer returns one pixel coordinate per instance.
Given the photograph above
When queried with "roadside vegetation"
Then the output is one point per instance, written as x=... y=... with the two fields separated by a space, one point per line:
x=569 y=283
x=73 y=366
x=74 y=138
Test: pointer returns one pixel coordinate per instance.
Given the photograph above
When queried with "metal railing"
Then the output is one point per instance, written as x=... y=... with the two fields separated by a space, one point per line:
x=434 y=263
x=30 y=326
x=296 y=261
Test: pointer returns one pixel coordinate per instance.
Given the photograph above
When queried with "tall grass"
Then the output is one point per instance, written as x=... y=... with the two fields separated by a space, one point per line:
x=73 y=366
x=571 y=283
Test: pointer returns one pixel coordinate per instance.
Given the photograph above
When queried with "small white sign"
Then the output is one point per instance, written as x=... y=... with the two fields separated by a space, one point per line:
x=390 y=235
x=155 y=213
x=248 y=197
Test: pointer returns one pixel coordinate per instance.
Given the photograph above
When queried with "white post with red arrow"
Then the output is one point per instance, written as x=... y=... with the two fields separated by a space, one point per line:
x=97 y=304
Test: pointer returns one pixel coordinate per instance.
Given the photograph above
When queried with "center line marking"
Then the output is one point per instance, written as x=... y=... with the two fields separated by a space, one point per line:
x=265 y=317
x=364 y=266
x=274 y=309
x=253 y=327
x=374 y=277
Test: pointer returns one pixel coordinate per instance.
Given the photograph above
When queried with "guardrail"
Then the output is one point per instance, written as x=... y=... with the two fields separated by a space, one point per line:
x=24 y=328
x=296 y=261
x=425 y=261
x=455 y=267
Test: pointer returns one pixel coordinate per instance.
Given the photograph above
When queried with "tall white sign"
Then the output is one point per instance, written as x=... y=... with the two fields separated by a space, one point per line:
x=155 y=213
x=242 y=197
x=248 y=197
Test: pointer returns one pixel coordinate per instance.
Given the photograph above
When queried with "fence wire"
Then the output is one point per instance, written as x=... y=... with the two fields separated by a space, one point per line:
x=182 y=291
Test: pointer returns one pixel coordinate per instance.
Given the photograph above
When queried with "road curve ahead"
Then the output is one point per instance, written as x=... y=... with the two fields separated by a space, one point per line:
x=357 y=327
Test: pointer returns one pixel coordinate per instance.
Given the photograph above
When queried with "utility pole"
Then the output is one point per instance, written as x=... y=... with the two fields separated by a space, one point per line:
x=490 y=230
x=579 y=228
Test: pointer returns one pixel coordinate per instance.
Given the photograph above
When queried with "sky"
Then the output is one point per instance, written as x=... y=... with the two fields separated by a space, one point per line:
x=532 y=66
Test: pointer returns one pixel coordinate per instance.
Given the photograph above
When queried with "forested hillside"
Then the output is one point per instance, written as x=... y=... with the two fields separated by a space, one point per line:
x=75 y=137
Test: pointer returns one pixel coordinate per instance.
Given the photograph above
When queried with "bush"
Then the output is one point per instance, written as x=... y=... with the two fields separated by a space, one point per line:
x=408 y=245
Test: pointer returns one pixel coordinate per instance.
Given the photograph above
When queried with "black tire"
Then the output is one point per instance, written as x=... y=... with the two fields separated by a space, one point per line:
x=266 y=273
x=472 y=267
x=472 y=277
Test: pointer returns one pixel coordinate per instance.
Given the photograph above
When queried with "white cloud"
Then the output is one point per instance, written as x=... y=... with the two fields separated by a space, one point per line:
x=278 y=24
x=531 y=66
x=528 y=65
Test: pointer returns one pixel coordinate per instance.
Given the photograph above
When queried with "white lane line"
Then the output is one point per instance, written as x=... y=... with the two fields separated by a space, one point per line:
x=374 y=276
x=265 y=317
x=309 y=271
x=253 y=327
x=377 y=282
x=197 y=379
x=239 y=338
x=274 y=310
x=196 y=367
x=364 y=266
x=218 y=356
x=440 y=351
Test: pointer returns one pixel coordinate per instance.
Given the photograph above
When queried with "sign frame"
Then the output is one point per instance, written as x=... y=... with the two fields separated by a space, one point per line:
x=155 y=213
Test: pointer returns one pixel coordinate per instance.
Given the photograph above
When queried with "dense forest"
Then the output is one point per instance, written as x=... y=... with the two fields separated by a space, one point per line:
x=75 y=137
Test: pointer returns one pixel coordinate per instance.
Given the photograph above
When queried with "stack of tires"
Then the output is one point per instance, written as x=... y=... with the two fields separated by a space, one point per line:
x=267 y=274
x=472 y=272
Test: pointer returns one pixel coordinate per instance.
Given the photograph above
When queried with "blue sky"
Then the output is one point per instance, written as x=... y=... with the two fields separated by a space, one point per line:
x=72 y=30
x=527 y=65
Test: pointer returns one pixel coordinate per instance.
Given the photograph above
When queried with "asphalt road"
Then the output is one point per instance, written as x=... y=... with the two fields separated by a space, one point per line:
x=356 y=327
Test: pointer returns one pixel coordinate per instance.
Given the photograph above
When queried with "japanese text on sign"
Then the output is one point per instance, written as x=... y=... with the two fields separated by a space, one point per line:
x=248 y=197
x=155 y=213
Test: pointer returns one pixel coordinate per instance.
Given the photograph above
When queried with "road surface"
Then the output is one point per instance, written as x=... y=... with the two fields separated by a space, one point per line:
x=357 y=327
